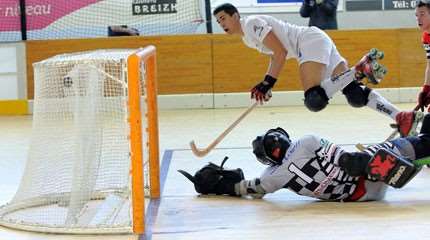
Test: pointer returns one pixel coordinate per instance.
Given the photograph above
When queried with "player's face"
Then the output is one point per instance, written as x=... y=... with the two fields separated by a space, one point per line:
x=423 y=18
x=230 y=24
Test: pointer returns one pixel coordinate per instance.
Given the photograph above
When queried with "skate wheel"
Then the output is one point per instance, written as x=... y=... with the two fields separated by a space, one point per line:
x=380 y=55
x=380 y=73
x=381 y=69
x=373 y=53
x=376 y=66
x=379 y=76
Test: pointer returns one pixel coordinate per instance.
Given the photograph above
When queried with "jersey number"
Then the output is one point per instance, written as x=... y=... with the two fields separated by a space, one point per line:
x=294 y=169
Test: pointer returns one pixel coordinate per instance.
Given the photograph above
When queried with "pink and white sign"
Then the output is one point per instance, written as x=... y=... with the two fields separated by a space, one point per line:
x=40 y=13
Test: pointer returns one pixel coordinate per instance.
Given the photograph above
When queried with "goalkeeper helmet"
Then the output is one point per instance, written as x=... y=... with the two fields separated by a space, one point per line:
x=271 y=147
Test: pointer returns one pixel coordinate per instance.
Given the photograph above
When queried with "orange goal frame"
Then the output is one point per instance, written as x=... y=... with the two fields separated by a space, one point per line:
x=143 y=62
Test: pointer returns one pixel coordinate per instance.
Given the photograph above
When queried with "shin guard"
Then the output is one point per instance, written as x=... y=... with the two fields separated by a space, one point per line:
x=391 y=168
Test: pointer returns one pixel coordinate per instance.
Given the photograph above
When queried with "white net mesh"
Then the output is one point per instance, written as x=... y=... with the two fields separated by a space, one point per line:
x=91 y=18
x=77 y=176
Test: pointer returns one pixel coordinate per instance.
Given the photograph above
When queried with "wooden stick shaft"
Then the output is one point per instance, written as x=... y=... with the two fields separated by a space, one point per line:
x=392 y=135
x=204 y=151
x=233 y=125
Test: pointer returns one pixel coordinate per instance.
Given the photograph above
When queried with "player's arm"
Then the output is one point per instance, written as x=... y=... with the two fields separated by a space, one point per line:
x=423 y=100
x=277 y=60
x=271 y=180
x=262 y=91
x=251 y=188
x=427 y=73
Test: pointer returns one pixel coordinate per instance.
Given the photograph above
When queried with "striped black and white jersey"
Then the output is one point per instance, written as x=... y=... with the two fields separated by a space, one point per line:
x=310 y=168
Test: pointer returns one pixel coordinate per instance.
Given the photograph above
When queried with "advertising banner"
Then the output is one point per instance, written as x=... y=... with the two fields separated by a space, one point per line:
x=40 y=13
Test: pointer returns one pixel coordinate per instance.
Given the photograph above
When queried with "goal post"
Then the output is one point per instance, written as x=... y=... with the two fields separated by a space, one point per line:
x=93 y=159
x=143 y=62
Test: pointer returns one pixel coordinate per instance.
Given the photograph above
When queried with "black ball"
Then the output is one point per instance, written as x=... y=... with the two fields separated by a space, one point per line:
x=67 y=81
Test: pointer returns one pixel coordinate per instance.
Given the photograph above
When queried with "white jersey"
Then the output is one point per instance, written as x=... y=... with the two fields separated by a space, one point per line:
x=302 y=43
x=256 y=28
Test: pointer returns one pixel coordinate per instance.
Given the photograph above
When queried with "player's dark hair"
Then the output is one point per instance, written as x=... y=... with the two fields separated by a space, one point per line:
x=228 y=8
x=423 y=4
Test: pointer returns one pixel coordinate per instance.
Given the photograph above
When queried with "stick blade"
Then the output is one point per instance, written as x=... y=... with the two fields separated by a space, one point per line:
x=196 y=151
x=360 y=147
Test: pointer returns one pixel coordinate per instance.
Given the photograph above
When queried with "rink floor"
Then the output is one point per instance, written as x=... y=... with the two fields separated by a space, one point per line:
x=182 y=214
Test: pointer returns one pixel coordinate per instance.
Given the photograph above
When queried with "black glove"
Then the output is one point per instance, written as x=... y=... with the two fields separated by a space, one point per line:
x=214 y=179
x=262 y=91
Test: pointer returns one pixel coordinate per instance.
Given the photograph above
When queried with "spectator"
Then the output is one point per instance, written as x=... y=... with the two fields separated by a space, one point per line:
x=321 y=13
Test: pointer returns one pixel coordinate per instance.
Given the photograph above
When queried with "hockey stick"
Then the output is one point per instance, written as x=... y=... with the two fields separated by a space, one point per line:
x=361 y=147
x=204 y=151
x=421 y=162
x=419 y=116
x=394 y=133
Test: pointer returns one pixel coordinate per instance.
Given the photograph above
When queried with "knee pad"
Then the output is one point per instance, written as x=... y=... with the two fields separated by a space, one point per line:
x=356 y=94
x=354 y=163
x=316 y=99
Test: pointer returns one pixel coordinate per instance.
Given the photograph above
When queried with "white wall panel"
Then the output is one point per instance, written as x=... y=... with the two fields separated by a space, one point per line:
x=8 y=87
x=7 y=59
x=13 y=80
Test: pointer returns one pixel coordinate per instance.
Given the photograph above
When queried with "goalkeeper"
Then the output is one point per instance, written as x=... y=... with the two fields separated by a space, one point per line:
x=314 y=167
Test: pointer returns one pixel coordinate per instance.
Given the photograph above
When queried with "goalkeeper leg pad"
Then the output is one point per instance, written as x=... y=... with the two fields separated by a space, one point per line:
x=391 y=168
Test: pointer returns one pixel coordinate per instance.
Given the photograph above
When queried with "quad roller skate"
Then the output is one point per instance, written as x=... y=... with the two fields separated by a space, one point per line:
x=369 y=67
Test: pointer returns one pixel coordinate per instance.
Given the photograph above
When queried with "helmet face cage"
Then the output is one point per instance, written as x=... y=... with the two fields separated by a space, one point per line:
x=263 y=146
x=260 y=152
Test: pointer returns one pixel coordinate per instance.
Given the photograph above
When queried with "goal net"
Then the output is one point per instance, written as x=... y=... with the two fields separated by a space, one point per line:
x=55 y=19
x=93 y=155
